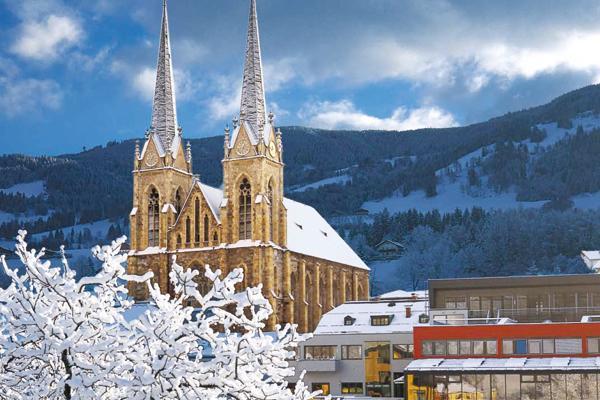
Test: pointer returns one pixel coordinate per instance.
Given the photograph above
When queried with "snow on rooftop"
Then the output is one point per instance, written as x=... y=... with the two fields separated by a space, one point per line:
x=505 y=364
x=403 y=294
x=307 y=231
x=214 y=198
x=333 y=321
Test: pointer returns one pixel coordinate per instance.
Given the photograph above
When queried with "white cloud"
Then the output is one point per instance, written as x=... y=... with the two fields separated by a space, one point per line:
x=344 y=115
x=143 y=81
x=225 y=102
x=280 y=72
x=47 y=39
x=20 y=96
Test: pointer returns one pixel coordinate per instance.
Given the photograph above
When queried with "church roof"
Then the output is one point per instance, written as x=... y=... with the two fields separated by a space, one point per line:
x=164 y=128
x=252 y=110
x=307 y=231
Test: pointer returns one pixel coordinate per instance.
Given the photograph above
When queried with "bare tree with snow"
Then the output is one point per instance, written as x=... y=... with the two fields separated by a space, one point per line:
x=63 y=338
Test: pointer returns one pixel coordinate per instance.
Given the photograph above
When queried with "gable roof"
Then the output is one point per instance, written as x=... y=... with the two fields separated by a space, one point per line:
x=307 y=231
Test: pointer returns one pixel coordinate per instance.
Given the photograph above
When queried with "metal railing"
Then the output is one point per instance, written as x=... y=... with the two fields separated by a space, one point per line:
x=540 y=314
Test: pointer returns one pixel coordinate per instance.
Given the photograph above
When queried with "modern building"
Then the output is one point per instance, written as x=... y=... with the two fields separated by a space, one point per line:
x=556 y=298
x=361 y=348
x=474 y=350
x=305 y=267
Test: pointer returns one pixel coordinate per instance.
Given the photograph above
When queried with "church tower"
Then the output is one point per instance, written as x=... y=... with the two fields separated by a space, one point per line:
x=162 y=170
x=252 y=164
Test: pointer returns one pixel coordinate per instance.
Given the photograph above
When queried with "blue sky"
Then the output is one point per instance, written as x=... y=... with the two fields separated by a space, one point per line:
x=77 y=73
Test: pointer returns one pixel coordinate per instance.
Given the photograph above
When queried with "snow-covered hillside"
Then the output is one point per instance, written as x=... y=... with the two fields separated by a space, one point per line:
x=28 y=189
x=453 y=194
x=334 y=180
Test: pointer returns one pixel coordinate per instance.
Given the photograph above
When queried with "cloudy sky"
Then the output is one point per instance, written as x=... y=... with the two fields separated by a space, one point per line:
x=77 y=73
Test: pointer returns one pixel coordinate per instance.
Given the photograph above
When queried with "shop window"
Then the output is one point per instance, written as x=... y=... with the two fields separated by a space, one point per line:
x=325 y=388
x=352 y=388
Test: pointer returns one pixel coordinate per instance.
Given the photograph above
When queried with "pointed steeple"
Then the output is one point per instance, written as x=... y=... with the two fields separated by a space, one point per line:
x=252 y=108
x=164 y=108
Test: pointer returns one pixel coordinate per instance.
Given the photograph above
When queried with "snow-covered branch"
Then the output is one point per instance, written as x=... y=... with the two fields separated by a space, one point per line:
x=63 y=338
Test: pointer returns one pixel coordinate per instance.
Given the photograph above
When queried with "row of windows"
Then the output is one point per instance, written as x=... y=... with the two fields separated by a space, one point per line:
x=358 y=388
x=459 y=347
x=565 y=386
x=509 y=346
x=355 y=351
x=542 y=346
x=556 y=300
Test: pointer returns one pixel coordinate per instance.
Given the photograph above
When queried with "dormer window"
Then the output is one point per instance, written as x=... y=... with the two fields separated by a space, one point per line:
x=348 y=320
x=381 y=320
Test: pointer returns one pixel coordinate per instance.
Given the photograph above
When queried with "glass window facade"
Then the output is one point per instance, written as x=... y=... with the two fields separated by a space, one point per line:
x=524 y=386
x=378 y=378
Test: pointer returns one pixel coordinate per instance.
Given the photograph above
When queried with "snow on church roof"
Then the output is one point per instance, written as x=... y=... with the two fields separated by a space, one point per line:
x=307 y=231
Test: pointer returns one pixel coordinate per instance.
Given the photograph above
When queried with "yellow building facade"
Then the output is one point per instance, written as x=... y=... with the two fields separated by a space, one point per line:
x=304 y=266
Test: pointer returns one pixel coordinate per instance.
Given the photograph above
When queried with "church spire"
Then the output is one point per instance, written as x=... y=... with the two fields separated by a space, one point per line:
x=252 y=108
x=164 y=108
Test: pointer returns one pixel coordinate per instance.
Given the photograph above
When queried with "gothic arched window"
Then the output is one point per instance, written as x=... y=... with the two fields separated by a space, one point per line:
x=323 y=293
x=349 y=291
x=197 y=221
x=153 y=218
x=271 y=216
x=206 y=228
x=188 y=228
x=178 y=241
x=178 y=201
x=215 y=239
x=245 y=212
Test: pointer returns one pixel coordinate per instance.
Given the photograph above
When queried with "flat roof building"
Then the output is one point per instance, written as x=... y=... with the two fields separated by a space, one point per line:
x=361 y=348
x=557 y=298
x=509 y=338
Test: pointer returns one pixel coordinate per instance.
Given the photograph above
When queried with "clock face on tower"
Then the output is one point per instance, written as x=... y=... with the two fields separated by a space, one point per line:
x=244 y=147
x=272 y=150
x=152 y=159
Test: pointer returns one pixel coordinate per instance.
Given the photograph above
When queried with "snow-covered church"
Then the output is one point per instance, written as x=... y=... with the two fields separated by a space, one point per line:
x=305 y=267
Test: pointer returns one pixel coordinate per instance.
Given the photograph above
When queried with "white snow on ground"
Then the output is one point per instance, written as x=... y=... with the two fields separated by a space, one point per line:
x=334 y=180
x=452 y=196
x=29 y=189
x=98 y=229
x=6 y=217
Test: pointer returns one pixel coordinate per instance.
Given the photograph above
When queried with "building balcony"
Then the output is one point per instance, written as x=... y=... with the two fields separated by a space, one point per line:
x=524 y=315
x=317 y=365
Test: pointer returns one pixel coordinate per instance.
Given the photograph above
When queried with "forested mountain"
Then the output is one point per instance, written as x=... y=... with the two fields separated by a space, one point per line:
x=539 y=155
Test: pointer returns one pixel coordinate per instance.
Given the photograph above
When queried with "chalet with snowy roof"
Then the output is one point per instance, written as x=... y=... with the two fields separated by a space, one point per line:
x=305 y=267
x=389 y=249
